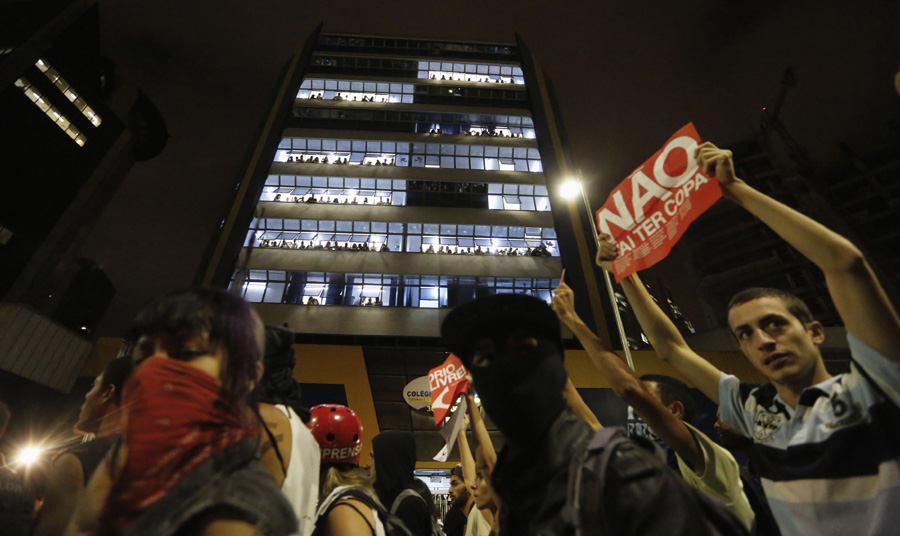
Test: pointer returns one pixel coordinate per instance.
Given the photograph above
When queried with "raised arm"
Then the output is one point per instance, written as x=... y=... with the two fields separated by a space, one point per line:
x=858 y=296
x=667 y=341
x=482 y=438
x=570 y=393
x=627 y=385
x=465 y=455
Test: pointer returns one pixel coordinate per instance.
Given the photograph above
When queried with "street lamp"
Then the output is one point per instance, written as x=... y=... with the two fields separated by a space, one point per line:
x=570 y=188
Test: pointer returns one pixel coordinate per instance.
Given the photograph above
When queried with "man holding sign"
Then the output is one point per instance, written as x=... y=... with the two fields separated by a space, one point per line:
x=828 y=446
x=650 y=210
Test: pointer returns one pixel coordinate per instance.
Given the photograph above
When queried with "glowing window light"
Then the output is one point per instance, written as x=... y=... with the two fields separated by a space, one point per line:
x=69 y=92
x=51 y=112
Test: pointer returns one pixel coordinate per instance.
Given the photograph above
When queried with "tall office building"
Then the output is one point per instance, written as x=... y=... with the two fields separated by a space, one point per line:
x=410 y=175
x=394 y=179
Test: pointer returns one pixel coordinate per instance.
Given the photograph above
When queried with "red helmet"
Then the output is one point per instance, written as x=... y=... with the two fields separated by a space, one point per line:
x=338 y=432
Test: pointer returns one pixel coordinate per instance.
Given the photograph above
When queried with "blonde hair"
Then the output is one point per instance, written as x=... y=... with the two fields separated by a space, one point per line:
x=333 y=476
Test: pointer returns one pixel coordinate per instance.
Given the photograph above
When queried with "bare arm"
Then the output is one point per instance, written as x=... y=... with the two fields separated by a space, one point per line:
x=280 y=427
x=570 y=393
x=85 y=519
x=64 y=487
x=466 y=459
x=345 y=520
x=627 y=385
x=861 y=302
x=667 y=341
x=482 y=438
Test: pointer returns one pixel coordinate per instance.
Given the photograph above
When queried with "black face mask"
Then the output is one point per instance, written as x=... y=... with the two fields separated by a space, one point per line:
x=522 y=389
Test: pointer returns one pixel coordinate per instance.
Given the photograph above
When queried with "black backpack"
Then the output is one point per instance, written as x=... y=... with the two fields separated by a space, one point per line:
x=393 y=526
x=621 y=486
x=435 y=529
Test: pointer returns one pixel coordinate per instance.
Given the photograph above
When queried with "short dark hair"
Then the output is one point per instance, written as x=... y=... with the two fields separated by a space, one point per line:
x=673 y=390
x=457 y=471
x=226 y=318
x=792 y=303
x=116 y=373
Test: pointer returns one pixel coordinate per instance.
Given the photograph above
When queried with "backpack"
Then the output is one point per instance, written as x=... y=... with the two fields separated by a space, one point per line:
x=620 y=486
x=393 y=526
x=435 y=529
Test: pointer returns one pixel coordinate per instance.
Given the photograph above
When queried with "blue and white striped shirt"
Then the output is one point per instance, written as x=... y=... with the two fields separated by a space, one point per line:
x=832 y=465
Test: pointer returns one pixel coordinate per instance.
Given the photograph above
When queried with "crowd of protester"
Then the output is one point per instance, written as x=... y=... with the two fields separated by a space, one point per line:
x=334 y=200
x=290 y=243
x=201 y=429
x=312 y=159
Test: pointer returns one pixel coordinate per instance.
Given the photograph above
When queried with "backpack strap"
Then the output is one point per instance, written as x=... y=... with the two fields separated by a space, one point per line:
x=358 y=511
x=596 y=454
x=351 y=493
x=403 y=496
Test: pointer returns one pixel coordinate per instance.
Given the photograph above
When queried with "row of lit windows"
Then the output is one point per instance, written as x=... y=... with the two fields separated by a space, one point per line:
x=418 y=237
x=418 y=122
x=428 y=70
x=470 y=72
x=426 y=291
x=404 y=154
x=69 y=92
x=363 y=191
x=351 y=90
x=54 y=114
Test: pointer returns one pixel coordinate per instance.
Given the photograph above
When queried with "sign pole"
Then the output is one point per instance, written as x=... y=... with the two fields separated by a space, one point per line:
x=609 y=287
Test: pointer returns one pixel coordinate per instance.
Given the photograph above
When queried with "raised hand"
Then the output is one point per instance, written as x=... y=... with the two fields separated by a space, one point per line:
x=607 y=250
x=563 y=304
x=718 y=162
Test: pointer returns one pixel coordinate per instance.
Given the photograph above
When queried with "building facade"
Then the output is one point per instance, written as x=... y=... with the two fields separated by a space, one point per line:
x=402 y=177
x=394 y=179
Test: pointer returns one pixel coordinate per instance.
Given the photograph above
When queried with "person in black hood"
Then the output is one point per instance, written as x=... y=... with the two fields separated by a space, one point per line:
x=512 y=346
x=394 y=454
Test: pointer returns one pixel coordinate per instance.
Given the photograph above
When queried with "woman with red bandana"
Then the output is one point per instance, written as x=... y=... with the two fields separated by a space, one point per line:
x=186 y=463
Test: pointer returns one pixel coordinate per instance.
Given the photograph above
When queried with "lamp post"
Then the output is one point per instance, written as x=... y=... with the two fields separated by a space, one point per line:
x=570 y=189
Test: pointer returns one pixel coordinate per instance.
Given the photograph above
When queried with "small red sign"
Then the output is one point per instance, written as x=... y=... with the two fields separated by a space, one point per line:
x=649 y=211
x=447 y=381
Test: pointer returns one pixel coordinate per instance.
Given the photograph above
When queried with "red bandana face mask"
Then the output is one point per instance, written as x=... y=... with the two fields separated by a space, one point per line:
x=177 y=416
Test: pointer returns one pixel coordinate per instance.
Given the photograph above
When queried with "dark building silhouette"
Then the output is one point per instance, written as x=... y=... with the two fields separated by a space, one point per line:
x=69 y=132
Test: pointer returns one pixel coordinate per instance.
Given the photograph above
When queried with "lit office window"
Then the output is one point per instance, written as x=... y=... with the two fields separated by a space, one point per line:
x=59 y=119
x=402 y=192
x=405 y=154
x=471 y=72
x=453 y=239
x=421 y=291
x=69 y=92
x=354 y=90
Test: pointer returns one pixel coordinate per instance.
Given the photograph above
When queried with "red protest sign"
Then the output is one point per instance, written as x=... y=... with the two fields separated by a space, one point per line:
x=447 y=381
x=649 y=211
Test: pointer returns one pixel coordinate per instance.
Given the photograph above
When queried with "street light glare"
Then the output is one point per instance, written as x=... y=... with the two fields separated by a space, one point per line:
x=29 y=455
x=570 y=188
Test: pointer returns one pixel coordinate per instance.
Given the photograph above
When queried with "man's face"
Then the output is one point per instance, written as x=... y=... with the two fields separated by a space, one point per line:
x=459 y=493
x=93 y=409
x=775 y=341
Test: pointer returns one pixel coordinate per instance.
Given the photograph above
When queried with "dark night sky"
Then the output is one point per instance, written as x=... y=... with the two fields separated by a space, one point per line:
x=627 y=75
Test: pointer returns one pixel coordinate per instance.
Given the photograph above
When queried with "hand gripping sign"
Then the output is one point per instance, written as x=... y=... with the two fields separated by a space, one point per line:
x=649 y=211
x=447 y=381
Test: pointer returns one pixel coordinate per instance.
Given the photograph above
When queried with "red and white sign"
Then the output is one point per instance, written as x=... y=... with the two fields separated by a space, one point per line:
x=649 y=211
x=447 y=382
